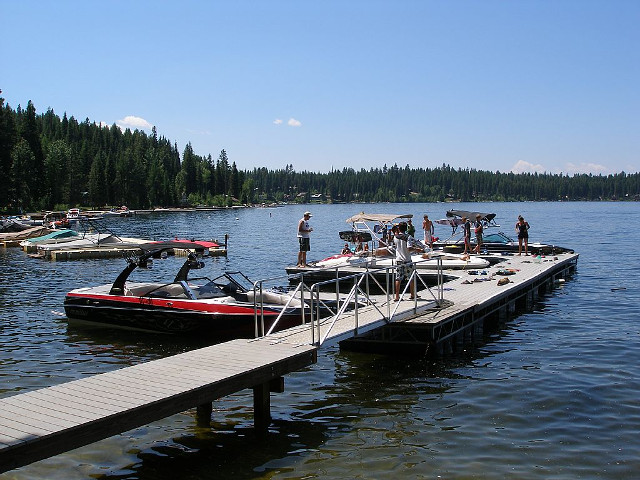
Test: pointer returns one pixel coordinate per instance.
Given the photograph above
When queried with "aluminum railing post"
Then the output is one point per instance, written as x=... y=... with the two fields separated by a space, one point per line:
x=337 y=290
x=261 y=311
x=255 y=311
x=318 y=323
x=312 y=319
x=355 y=299
x=302 y=305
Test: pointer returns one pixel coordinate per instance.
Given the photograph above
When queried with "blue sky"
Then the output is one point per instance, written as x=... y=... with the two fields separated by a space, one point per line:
x=492 y=85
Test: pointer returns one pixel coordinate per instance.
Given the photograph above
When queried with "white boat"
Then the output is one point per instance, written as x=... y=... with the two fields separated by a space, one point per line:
x=375 y=229
x=56 y=235
x=94 y=235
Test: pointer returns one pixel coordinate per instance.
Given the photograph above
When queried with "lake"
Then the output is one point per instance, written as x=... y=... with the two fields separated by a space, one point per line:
x=553 y=394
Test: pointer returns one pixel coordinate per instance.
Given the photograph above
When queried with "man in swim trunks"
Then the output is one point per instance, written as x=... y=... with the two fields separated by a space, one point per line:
x=404 y=267
x=304 y=229
x=427 y=226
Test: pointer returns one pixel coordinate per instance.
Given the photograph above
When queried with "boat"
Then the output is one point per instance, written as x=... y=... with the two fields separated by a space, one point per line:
x=74 y=215
x=492 y=240
x=55 y=220
x=374 y=229
x=122 y=211
x=226 y=306
x=52 y=235
x=93 y=235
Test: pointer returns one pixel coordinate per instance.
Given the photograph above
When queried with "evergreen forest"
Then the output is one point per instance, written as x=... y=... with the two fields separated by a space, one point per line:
x=48 y=162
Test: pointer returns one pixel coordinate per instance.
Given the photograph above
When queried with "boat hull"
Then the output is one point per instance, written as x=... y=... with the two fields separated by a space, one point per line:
x=172 y=316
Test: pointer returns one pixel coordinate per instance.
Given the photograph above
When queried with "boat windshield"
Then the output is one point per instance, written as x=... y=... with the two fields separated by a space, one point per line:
x=497 y=238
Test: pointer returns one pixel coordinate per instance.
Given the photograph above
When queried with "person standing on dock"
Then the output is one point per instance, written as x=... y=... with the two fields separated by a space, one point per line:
x=522 y=228
x=411 y=230
x=403 y=260
x=467 y=235
x=478 y=232
x=427 y=226
x=304 y=229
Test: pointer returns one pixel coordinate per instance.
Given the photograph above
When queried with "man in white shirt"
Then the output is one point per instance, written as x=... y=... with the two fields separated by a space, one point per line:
x=404 y=266
x=304 y=229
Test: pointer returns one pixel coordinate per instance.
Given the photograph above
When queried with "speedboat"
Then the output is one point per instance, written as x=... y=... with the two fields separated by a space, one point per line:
x=54 y=235
x=93 y=235
x=227 y=306
x=376 y=228
x=123 y=211
x=492 y=241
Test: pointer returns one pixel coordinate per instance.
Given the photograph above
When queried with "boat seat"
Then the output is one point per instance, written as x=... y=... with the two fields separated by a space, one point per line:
x=273 y=298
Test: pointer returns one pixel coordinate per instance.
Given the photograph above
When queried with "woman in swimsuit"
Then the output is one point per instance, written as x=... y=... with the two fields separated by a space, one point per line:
x=522 y=228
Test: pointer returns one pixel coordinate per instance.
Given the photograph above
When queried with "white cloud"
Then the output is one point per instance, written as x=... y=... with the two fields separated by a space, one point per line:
x=569 y=168
x=133 y=122
x=572 y=168
x=294 y=123
x=525 y=167
x=277 y=121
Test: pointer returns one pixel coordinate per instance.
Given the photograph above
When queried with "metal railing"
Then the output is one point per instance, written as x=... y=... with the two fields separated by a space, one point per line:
x=315 y=300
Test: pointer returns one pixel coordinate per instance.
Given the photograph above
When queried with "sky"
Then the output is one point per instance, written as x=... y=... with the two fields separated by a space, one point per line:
x=499 y=85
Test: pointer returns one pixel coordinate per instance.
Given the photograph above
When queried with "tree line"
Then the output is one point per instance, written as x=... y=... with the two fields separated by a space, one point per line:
x=48 y=162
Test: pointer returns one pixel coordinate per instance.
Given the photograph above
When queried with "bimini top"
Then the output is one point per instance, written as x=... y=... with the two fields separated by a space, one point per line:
x=486 y=217
x=376 y=217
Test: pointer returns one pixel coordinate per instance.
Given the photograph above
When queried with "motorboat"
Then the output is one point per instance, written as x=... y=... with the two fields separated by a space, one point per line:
x=492 y=240
x=375 y=230
x=122 y=211
x=53 y=235
x=227 y=306
x=93 y=235
x=55 y=220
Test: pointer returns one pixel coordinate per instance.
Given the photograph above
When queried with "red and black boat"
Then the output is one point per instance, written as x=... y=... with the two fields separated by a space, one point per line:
x=227 y=306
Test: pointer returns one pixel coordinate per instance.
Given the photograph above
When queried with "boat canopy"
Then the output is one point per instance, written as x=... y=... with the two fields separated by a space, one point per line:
x=485 y=217
x=376 y=217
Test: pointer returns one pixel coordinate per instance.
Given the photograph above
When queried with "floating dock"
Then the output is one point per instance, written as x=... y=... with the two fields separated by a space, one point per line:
x=46 y=422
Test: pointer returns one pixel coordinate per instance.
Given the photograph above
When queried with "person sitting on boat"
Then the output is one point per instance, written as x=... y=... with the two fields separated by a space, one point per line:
x=364 y=250
x=415 y=245
x=346 y=250
x=387 y=248
x=358 y=244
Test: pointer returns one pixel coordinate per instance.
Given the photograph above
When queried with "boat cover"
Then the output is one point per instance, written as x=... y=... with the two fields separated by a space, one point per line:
x=471 y=215
x=351 y=236
x=377 y=217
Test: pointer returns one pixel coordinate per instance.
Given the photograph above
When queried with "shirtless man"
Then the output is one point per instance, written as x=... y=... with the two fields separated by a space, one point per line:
x=427 y=226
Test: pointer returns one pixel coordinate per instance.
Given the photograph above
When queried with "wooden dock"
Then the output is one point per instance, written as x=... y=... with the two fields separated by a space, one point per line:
x=49 y=421
x=470 y=301
x=46 y=422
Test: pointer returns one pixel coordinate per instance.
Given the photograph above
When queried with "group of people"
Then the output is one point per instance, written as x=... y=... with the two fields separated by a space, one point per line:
x=478 y=230
x=402 y=233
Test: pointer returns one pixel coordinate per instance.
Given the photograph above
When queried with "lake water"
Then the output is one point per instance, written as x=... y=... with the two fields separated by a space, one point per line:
x=552 y=395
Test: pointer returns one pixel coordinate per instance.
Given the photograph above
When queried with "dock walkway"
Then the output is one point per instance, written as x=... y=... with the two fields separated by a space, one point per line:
x=49 y=421
x=53 y=420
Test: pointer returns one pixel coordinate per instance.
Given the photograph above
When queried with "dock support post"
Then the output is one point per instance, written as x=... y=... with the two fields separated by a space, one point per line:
x=261 y=407
x=203 y=414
